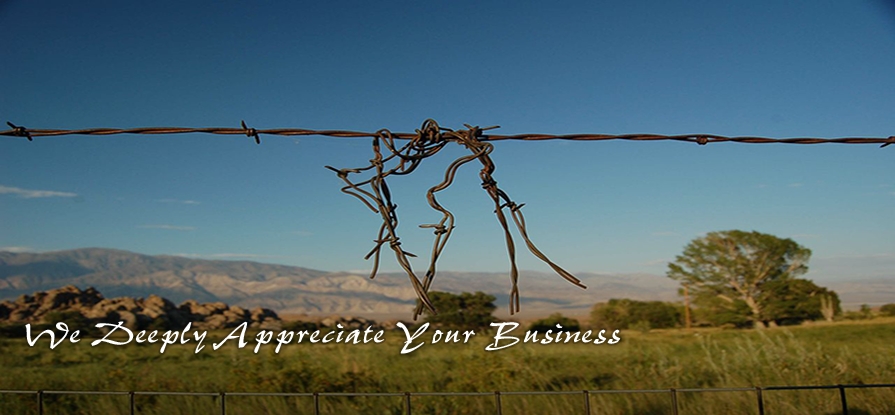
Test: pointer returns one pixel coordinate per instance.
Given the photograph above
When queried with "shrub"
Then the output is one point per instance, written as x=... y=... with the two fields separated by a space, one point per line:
x=623 y=313
x=462 y=312
x=550 y=323
x=864 y=314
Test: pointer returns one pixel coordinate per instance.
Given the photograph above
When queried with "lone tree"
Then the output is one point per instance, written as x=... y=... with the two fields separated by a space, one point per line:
x=737 y=271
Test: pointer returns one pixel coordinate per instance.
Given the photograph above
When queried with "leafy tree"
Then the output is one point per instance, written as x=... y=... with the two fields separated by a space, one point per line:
x=549 y=323
x=791 y=301
x=887 y=310
x=462 y=312
x=625 y=313
x=714 y=311
x=736 y=266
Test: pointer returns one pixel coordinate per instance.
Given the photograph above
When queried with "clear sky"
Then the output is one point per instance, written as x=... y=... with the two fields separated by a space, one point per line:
x=768 y=68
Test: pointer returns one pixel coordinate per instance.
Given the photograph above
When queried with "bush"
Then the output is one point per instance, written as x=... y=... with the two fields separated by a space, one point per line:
x=550 y=323
x=887 y=310
x=864 y=314
x=16 y=330
x=462 y=312
x=300 y=325
x=624 y=313
x=73 y=319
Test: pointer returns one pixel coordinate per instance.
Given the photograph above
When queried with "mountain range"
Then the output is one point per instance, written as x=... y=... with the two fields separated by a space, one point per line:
x=297 y=290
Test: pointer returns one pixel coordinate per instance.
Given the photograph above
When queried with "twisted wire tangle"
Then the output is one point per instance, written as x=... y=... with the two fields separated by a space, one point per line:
x=426 y=142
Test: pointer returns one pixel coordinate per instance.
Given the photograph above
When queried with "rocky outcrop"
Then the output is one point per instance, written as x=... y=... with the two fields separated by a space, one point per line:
x=154 y=312
x=295 y=290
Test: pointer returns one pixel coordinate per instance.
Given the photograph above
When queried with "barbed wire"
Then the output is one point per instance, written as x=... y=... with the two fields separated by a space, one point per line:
x=702 y=139
x=426 y=142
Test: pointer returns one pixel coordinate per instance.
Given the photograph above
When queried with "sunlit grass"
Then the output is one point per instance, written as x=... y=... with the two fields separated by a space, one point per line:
x=820 y=354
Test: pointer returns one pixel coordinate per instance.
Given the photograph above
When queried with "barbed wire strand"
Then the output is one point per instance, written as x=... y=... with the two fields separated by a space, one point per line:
x=423 y=143
x=701 y=139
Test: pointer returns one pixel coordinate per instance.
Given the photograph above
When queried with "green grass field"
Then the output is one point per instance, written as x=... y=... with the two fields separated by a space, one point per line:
x=842 y=353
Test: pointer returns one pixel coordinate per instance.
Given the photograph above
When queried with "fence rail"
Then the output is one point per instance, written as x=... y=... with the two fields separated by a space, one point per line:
x=408 y=396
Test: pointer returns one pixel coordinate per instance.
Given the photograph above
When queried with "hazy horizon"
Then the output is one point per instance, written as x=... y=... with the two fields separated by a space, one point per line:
x=358 y=287
x=881 y=269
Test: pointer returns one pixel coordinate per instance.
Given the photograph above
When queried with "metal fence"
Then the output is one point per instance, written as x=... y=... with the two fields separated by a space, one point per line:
x=407 y=397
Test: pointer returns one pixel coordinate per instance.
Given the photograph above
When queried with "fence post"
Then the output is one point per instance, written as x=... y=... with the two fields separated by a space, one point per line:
x=132 y=403
x=316 y=403
x=40 y=402
x=497 y=399
x=407 y=402
x=673 y=401
x=760 y=400
x=223 y=404
x=586 y=402
x=842 y=399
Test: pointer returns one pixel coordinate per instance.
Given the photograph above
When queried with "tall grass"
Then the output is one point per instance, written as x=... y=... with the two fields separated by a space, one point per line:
x=813 y=355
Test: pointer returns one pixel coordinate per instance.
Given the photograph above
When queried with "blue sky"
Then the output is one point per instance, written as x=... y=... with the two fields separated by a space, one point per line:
x=766 y=68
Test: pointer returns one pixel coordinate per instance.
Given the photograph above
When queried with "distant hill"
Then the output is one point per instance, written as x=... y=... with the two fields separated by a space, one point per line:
x=294 y=290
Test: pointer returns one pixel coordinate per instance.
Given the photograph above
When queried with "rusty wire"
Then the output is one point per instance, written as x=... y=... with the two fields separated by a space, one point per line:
x=423 y=143
x=701 y=139
x=428 y=141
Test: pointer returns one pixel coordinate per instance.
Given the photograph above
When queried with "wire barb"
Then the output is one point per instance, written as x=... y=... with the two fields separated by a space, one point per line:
x=251 y=132
x=19 y=131
x=891 y=140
